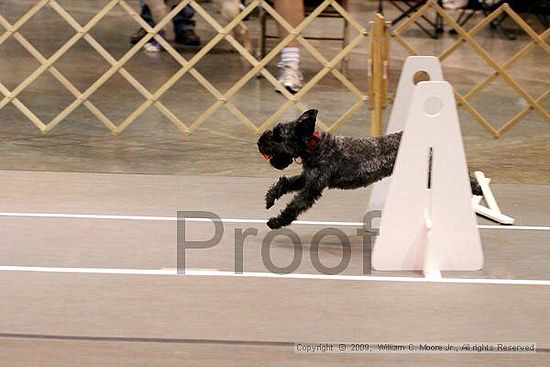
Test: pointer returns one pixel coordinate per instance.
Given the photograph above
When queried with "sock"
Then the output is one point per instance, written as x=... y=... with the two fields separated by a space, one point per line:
x=290 y=55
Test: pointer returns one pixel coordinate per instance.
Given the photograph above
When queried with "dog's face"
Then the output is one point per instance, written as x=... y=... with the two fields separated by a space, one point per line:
x=287 y=140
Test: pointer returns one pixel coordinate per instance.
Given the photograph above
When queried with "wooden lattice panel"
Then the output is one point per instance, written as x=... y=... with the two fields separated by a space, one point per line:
x=152 y=98
x=467 y=37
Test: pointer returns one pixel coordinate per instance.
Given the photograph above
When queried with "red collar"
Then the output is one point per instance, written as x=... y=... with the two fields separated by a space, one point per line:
x=313 y=141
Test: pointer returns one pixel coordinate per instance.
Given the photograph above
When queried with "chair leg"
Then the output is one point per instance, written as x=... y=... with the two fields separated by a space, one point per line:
x=345 y=42
x=263 y=23
x=543 y=19
x=459 y=19
x=463 y=19
x=407 y=13
x=467 y=19
x=497 y=24
x=439 y=27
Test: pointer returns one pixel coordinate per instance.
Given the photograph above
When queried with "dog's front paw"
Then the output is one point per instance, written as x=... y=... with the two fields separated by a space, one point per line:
x=274 y=223
x=275 y=192
x=278 y=222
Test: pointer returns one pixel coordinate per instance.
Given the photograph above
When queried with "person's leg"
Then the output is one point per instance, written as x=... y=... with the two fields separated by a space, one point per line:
x=145 y=13
x=158 y=11
x=184 y=27
x=289 y=75
x=184 y=19
x=293 y=12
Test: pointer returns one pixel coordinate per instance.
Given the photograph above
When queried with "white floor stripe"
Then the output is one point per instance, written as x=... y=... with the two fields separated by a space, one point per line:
x=227 y=220
x=227 y=274
x=512 y=227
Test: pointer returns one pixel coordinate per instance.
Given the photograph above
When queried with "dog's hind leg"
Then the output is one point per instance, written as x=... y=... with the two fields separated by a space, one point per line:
x=283 y=186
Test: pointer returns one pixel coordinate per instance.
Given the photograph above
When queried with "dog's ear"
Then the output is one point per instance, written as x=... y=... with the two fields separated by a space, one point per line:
x=305 y=124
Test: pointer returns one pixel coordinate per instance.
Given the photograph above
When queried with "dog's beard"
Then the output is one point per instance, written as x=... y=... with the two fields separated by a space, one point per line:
x=281 y=161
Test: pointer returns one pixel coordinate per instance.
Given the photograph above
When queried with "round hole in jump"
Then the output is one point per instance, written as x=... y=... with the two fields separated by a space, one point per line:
x=421 y=76
x=433 y=106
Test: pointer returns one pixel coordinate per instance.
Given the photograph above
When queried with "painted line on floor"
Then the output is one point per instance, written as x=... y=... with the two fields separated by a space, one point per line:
x=228 y=220
x=164 y=218
x=228 y=274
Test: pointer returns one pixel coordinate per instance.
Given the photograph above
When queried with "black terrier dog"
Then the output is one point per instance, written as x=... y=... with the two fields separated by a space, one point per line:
x=328 y=162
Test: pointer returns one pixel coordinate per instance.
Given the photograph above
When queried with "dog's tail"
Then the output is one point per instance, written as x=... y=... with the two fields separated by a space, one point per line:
x=476 y=188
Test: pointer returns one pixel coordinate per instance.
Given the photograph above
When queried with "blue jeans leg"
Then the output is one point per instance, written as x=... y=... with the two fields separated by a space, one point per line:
x=184 y=20
x=146 y=14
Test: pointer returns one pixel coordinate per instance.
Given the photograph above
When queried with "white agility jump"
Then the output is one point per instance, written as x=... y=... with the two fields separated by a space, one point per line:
x=405 y=89
x=428 y=223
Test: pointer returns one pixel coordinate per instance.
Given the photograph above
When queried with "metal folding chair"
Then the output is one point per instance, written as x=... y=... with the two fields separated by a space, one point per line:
x=408 y=8
x=486 y=8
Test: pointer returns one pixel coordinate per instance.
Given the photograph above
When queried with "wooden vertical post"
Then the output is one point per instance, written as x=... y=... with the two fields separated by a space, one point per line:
x=378 y=72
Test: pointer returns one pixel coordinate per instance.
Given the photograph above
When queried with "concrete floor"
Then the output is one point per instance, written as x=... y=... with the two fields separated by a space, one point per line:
x=57 y=319
x=102 y=319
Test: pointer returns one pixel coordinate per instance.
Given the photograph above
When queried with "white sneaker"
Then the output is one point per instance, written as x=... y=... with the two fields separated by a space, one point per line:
x=290 y=77
x=152 y=46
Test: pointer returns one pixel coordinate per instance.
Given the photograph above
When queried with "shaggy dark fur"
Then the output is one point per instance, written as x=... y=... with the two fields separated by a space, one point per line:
x=328 y=162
